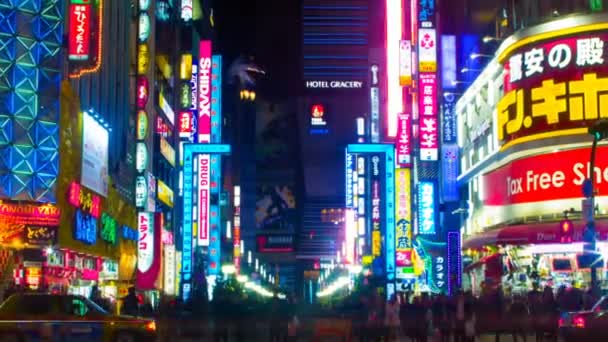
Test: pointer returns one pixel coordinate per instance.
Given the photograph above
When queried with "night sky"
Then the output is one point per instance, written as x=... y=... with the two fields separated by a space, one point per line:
x=267 y=30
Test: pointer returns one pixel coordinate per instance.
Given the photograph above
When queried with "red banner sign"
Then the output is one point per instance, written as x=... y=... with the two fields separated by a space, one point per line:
x=185 y=124
x=551 y=176
x=79 y=34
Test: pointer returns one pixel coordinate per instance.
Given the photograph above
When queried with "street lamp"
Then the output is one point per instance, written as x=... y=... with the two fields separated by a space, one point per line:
x=478 y=55
x=599 y=131
x=488 y=39
x=463 y=70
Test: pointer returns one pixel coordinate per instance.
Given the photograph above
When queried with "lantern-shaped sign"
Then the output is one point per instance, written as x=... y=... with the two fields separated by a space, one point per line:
x=141 y=157
x=142 y=124
x=141 y=191
x=144 y=5
x=142 y=91
x=144 y=27
x=143 y=59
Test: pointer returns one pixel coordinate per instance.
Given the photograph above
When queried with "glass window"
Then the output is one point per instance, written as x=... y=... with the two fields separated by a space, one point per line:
x=34 y=305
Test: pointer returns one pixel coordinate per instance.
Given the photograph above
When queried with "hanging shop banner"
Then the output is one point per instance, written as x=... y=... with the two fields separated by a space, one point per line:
x=375 y=114
x=167 y=151
x=164 y=193
x=79 y=33
x=454 y=262
x=350 y=168
x=427 y=206
x=427 y=107
x=427 y=50
x=204 y=199
x=215 y=242
x=448 y=62
x=439 y=272
x=185 y=128
x=552 y=86
x=404 y=140
x=403 y=217
x=169 y=270
x=216 y=99
x=95 y=140
x=448 y=111
x=405 y=63
x=449 y=172
x=149 y=227
x=204 y=92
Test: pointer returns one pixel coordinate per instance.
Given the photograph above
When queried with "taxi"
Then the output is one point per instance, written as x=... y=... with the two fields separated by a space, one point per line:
x=70 y=318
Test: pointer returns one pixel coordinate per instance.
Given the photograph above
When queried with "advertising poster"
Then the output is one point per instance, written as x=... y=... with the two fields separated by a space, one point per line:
x=276 y=208
x=94 y=171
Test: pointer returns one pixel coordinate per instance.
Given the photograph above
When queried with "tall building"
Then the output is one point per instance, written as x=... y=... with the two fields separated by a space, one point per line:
x=333 y=92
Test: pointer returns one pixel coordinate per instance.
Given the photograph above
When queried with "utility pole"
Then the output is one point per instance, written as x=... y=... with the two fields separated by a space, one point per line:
x=599 y=131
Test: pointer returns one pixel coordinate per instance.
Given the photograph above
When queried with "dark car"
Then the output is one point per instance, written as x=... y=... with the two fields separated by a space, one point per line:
x=592 y=325
x=31 y=316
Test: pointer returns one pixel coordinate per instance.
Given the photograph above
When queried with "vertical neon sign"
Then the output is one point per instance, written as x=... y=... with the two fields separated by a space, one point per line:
x=204 y=92
x=394 y=32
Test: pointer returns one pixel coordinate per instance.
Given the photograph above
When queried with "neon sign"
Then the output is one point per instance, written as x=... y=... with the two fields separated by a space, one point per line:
x=394 y=33
x=204 y=92
x=203 y=199
x=145 y=245
x=142 y=91
x=79 y=34
x=403 y=142
x=552 y=86
x=128 y=233
x=403 y=227
x=85 y=227
x=29 y=214
x=429 y=134
x=426 y=208
x=89 y=203
x=109 y=229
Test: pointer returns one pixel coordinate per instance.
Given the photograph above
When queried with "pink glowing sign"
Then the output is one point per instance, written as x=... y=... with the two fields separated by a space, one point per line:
x=204 y=92
x=427 y=107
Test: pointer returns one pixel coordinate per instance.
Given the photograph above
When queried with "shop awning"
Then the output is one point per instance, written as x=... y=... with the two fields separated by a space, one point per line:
x=531 y=233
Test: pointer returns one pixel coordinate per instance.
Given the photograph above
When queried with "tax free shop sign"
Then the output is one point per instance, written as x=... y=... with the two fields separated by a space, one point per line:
x=546 y=177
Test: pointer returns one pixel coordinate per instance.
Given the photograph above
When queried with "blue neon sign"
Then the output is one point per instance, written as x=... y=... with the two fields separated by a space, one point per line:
x=216 y=99
x=426 y=208
x=349 y=180
x=389 y=198
x=190 y=151
x=85 y=227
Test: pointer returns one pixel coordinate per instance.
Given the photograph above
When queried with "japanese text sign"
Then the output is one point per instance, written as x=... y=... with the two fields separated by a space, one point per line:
x=427 y=106
x=403 y=215
x=404 y=140
x=204 y=92
x=79 y=34
x=555 y=85
x=426 y=208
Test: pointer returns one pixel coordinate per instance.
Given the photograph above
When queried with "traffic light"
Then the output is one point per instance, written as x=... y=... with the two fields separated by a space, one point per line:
x=566 y=231
x=599 y=130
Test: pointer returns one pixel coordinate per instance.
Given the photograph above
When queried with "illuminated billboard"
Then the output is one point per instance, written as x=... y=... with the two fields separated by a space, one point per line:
x=427 y=106
x=94 y=166
x=204 y=92
x=216 y=99
x=427 y=207
x=204 y=198
x=553 y=85
x=427 y=50
x=405 y=63
x=318 y=119
x=350 y=234
x=403 y=142
x=79 y=33
x=403 y=218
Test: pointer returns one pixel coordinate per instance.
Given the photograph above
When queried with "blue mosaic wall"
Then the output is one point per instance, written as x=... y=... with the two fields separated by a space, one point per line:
x=31 y=33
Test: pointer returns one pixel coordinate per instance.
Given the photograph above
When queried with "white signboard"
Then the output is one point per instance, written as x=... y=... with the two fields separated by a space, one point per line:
x=427 y=50
x=145 y=241
x=334 y=84
x=204 y=173
x=94 y=171
x=169 y=270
